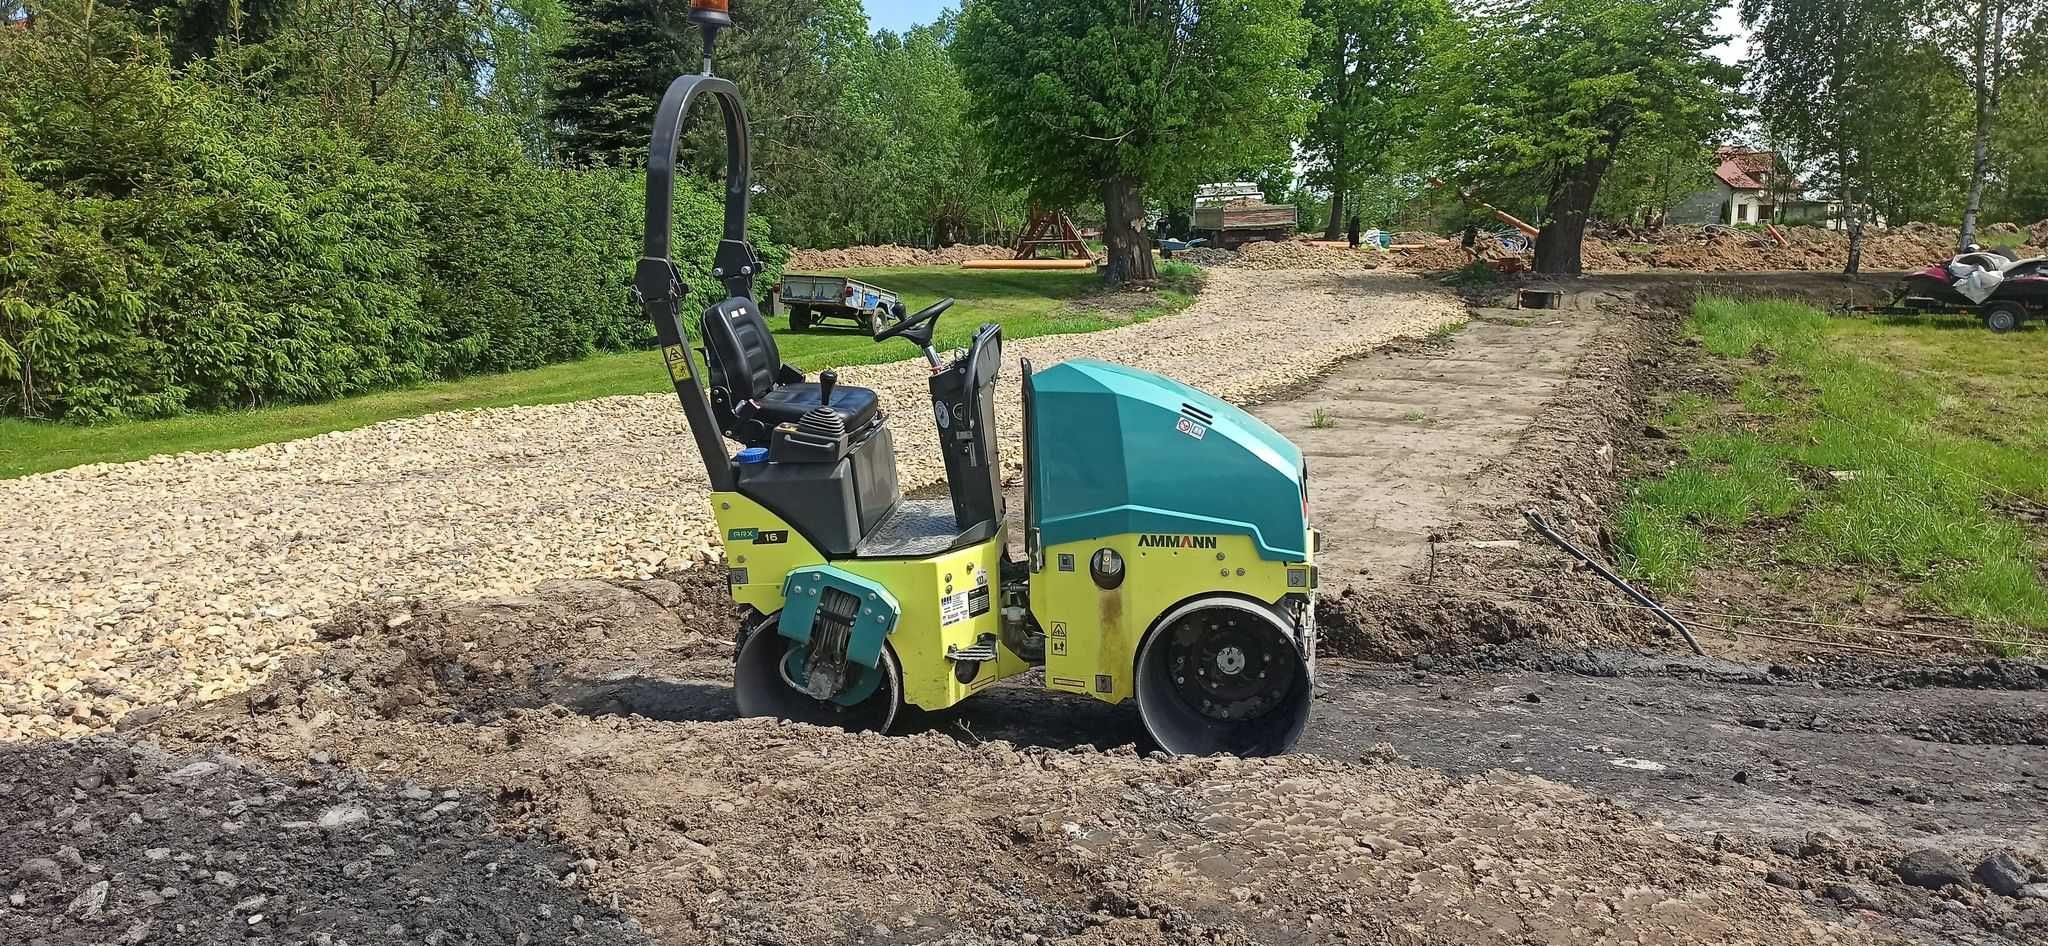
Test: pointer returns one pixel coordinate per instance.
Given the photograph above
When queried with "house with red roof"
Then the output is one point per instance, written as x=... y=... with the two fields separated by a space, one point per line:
x=1749 y=186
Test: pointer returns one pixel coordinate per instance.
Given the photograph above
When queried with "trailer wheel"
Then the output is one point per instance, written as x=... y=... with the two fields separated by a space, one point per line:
x=2002 y=317
x=874 y=320
x=799 y=317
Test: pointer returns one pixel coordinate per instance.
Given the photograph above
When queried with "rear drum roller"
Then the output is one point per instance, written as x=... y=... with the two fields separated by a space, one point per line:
x=765 y=685
x=1222 y=675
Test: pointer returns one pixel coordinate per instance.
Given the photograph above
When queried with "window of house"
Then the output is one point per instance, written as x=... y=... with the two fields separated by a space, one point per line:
x=1741 y=213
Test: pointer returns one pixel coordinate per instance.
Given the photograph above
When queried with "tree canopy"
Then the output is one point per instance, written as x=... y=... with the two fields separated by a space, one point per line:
x=1363 y=54
x=1078 y=99
x=1536 y=98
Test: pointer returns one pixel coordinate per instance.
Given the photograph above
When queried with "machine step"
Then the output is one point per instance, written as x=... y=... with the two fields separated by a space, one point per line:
x=983 y=651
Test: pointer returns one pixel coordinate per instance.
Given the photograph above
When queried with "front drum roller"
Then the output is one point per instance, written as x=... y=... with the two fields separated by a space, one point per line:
x=764 y=684
x=1223 y=675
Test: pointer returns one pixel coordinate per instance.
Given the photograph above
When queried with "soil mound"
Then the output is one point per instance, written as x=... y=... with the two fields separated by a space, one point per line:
x=1718 y=249
x=1295 y=254
x=892 y=255
x=1207 y=256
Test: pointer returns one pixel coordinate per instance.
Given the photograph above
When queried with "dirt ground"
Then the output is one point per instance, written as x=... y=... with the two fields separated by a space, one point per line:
x=1393 y=440
x=563 y=765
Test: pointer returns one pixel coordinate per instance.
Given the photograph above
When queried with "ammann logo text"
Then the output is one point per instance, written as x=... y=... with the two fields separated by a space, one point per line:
x=1155 y=540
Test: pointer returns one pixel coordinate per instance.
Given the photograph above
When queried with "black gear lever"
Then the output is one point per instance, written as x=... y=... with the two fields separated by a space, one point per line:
x=827 y=380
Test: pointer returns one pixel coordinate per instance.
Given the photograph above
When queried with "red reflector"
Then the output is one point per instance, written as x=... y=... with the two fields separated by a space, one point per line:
x=849 y=292
x=719 y=5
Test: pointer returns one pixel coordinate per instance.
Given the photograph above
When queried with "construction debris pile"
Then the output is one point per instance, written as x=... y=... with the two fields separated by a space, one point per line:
x=1297 y=254
x=1716 y=249
x=892 y=255
x=1721 y=249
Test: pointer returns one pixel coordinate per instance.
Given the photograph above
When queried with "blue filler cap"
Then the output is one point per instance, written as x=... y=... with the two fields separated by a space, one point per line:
x=752 y=455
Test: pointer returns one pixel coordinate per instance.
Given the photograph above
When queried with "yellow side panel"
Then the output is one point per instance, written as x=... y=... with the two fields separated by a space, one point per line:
x=963 y=587
x=1093 y=635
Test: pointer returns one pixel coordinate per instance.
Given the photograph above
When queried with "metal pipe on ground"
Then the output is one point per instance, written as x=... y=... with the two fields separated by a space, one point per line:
x=1543 y=527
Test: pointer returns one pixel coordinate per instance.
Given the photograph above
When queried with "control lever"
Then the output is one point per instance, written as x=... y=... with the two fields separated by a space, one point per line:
x=827 y=380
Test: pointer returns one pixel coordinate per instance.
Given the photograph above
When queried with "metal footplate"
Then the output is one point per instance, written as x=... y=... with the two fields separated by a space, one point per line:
x=983 y=651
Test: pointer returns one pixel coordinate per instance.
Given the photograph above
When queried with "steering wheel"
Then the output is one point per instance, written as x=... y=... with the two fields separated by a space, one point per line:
x=925 y=319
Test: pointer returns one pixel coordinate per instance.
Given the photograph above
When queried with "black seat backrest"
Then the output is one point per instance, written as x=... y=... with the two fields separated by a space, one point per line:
x=964 y=394
x=742 y=349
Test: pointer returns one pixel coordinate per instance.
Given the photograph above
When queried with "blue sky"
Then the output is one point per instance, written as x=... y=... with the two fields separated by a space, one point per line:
x=899 y=15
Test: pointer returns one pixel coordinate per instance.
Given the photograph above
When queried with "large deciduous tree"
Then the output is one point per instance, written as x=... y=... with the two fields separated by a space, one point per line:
x=1081 y=98
x=1540 y=96
x=2021 y=184
x=1363 y=54
x=1858 y=100
x=1985 y=37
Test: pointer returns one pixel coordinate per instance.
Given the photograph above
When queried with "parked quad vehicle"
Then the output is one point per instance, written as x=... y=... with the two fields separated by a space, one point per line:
x=2020 y=293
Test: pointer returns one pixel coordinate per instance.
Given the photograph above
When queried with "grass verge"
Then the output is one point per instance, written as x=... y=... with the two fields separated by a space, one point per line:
x=1914 y=452
x=1026 y=303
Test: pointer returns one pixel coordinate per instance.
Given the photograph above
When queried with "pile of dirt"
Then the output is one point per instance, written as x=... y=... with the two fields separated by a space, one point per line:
x=892 y=255
x=1207 y=256
x=1295 y=254
x=1719 y=249
x=1727 y=250
x=758 y=831
x=1439 y=256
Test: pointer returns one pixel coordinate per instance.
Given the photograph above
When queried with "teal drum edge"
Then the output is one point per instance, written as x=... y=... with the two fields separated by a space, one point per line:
x=806 y=587
x=1117 y=450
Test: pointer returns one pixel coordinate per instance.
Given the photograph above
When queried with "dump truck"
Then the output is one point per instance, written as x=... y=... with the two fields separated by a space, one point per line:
x=1232 y=214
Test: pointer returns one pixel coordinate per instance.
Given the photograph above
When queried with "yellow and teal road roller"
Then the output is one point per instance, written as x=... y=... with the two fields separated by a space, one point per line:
x=1167 y=552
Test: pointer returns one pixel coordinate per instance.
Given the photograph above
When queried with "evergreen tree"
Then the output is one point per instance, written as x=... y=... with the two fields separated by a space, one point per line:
x=609 y=75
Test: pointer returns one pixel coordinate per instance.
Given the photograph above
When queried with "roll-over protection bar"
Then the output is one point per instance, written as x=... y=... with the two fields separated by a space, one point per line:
x=658 y=284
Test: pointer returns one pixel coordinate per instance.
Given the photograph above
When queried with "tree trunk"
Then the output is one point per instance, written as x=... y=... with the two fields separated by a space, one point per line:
x=1340 y=177
x=1334 y=231
x=1127 y=252
x=1852 y=220
x=1564 y=226
x=1990 y=62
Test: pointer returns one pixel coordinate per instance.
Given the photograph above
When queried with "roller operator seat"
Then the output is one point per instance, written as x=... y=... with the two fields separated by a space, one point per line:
x=753 y=391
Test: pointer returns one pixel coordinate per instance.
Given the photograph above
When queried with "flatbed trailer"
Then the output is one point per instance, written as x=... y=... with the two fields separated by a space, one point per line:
x=1998 y=315
x=813 y=299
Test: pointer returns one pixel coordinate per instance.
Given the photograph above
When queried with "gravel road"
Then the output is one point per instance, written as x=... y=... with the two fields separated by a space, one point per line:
x=183 y=578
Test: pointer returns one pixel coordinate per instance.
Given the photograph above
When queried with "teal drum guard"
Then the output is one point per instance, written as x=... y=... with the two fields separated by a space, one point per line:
x=856 y=613
x=1117 y=450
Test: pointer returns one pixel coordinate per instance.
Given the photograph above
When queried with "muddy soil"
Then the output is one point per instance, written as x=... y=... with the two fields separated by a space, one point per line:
x=759 y=832
x=1455 y=800
x=115 y=842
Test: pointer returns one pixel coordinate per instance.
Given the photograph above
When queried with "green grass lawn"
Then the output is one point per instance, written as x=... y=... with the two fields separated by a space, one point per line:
x=1910 y=452
x=1025 y=303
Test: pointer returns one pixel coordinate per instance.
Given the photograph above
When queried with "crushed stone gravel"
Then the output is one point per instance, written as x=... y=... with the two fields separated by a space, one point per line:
x=182 y=578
